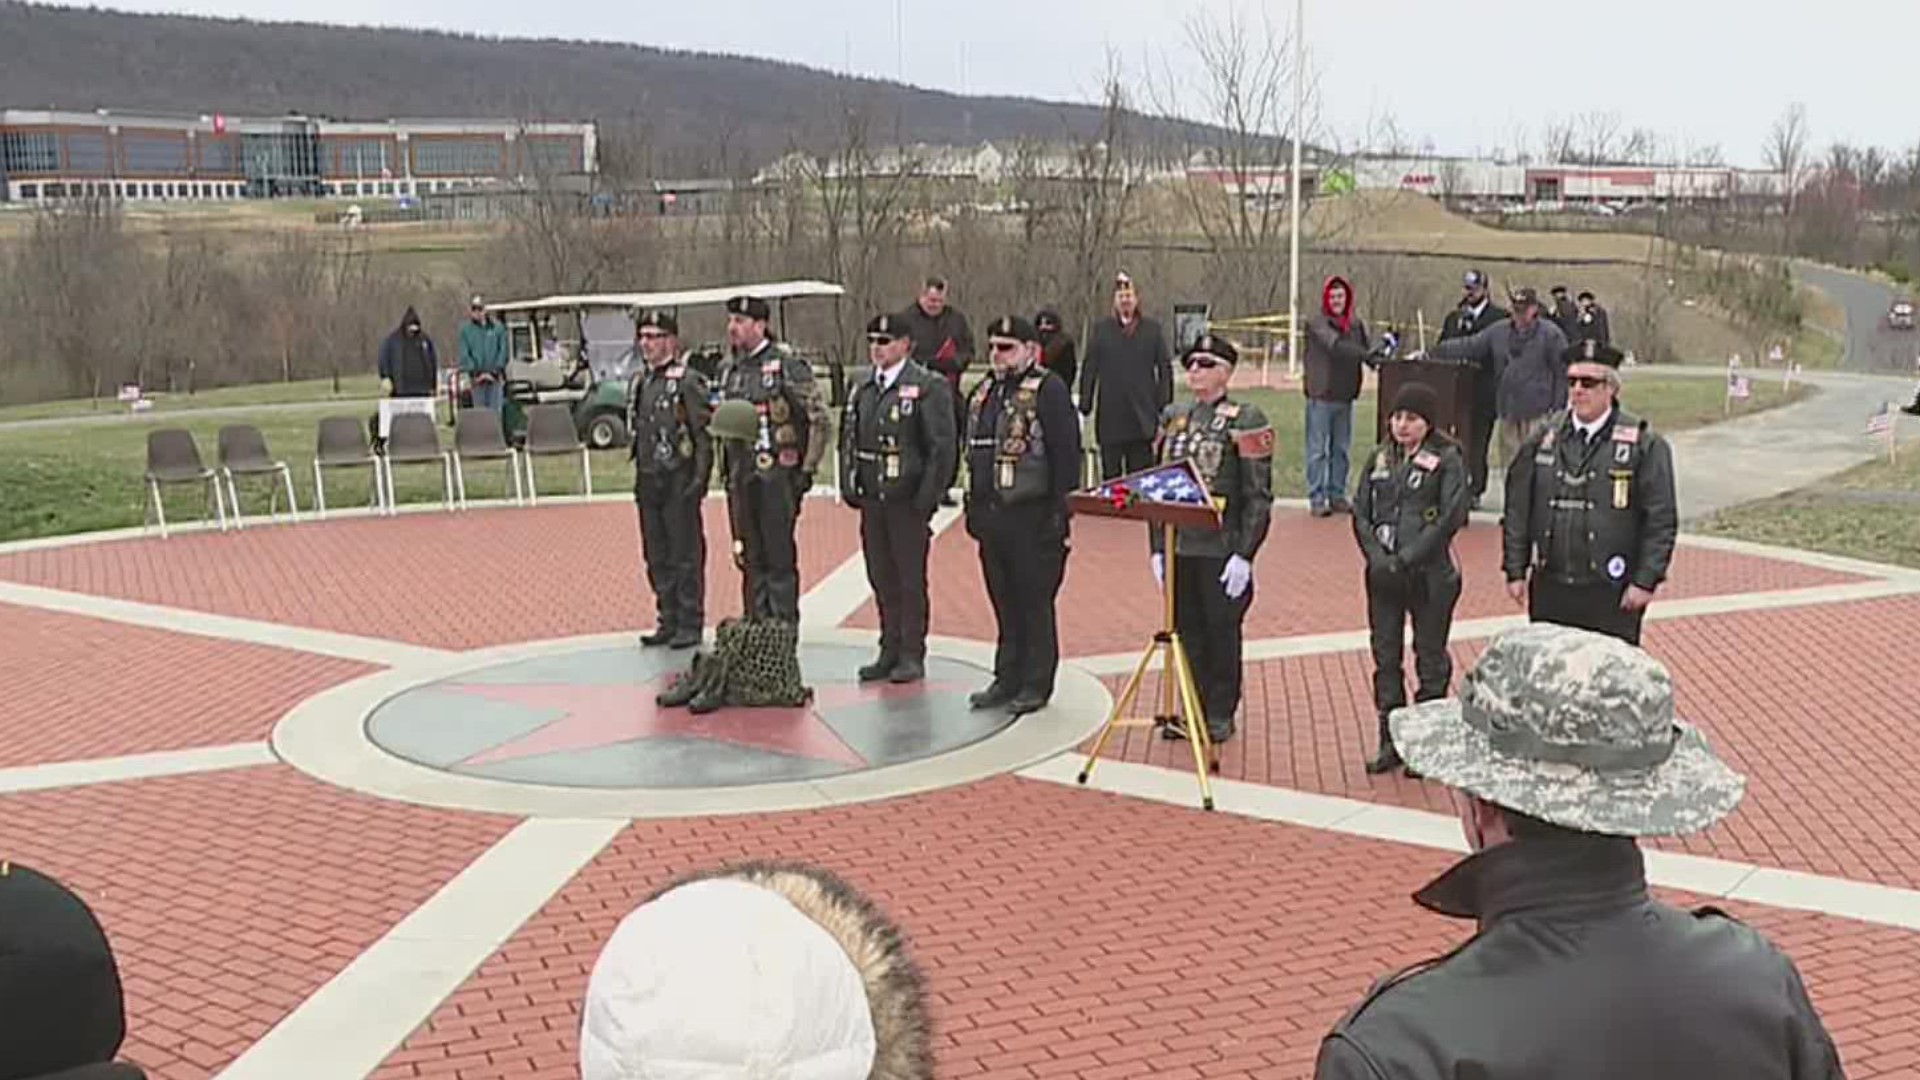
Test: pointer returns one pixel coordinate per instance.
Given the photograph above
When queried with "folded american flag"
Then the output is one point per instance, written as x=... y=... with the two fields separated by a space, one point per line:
x=1174 y=483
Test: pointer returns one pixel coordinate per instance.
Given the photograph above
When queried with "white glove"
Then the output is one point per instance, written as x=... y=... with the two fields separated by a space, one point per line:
x=1417 y=354
x=1159 y=564
x=1236 y=577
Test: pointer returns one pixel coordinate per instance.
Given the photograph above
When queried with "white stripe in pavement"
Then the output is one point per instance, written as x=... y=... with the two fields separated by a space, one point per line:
x=838 y=595
x=363 y=1014
x=1474 y=629
x=223 y=627
x=1857 y=900
x=61 y=774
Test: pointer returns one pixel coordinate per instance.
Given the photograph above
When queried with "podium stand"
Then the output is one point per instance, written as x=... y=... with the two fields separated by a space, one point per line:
x=1166 y=497
x=1451 y=382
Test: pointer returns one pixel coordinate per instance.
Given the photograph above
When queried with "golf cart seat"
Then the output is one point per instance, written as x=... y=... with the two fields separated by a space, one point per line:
x=544 y=381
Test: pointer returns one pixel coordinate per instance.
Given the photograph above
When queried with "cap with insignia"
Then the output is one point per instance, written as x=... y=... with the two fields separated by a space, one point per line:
x=1591 y=351
x=660 y=320
x=751 y=306
x=1524 y=296
x=1013 y=326
x=1211 y=345
x=1473 y=279
x=887 y=325
x=1574 y=728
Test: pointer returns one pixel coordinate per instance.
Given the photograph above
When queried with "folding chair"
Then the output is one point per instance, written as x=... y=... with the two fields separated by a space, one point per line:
x=550 y=433
x=342 y=444
x=174 y=458
x=477 y=436
x=413 y=440
x=243 y=452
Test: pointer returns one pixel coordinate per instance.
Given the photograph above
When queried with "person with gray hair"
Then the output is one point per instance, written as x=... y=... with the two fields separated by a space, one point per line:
x=764 y=971
x=1526 y=356
x=1562 y=749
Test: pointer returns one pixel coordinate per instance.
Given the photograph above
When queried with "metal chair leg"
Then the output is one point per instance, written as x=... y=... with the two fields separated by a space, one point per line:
x=233 y=498
x=519 y=493
x=159 y=506
x=533 y=488
x=586 y=470
x=319 y=491
x=293 y=501
x=446 y=481
x=459 y=479
x=386 y=473
x=219 y=504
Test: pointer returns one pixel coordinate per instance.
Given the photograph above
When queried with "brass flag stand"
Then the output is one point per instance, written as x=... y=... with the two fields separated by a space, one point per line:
x=1179 y=695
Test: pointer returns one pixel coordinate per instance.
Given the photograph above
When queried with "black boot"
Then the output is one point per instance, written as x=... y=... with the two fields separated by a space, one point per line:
x=660 y=636
x=1388 y=759
x=881 y=667
x=679 y=692
x=1912 y=409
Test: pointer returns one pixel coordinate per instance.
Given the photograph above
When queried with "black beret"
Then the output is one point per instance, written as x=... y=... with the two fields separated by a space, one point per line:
x=660 y=320
x=1590 y=351
x=751 y=306
x=1212 y=346
x=892 y=326
x=1013 y=326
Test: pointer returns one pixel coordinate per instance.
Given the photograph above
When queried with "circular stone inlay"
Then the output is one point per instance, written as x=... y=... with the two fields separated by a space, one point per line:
x=587 y=719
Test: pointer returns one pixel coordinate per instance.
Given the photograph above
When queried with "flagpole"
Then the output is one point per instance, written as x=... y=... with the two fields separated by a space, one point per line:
x=1293 y=178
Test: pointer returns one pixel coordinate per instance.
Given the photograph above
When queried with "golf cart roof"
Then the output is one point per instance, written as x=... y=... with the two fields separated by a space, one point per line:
x=718 y=294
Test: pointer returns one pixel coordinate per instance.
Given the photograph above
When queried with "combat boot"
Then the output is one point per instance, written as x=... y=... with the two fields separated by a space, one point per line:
x=709 y=699
x=660 y=636
x=679 y=692
x=1388 y=759
x=881 y=667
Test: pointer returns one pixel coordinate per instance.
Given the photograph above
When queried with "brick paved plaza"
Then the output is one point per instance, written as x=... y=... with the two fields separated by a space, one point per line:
x=273 y=924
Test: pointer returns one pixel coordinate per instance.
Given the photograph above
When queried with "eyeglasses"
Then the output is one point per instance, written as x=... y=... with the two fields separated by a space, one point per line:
x=1586 y=382
x=1203 y=361
x=879 y=339
x=1005 y=346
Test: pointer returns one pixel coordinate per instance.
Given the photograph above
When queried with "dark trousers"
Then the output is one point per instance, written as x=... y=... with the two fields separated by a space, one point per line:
x=767 y=505
x=1023 y=555
x=1209 y=625
x=1593 y=607
x=1428 y=595
x=673 y=541
x=1484 y=421
x=1118 y=459
x=894 y=537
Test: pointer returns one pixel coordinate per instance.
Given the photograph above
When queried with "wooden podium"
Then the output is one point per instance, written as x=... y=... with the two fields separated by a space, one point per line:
x=1166 y=497
x=1451 y=382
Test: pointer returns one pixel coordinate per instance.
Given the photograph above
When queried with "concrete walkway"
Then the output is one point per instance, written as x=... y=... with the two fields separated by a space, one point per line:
x=1769 y=453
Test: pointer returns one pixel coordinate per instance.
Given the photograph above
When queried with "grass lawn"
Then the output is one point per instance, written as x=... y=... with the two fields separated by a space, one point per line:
x=87 y=477
x=1869 y=512
x=352 y=388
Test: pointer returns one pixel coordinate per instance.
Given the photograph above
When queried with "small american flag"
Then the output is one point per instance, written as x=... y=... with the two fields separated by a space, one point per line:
x=1739 y=388
x=1173 y=483
x=1881 y=422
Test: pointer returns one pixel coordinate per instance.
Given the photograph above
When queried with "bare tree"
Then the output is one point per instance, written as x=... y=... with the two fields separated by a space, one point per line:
x=1786 y=153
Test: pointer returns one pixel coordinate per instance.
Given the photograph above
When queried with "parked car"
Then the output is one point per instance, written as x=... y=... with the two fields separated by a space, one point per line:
x=1900 y=316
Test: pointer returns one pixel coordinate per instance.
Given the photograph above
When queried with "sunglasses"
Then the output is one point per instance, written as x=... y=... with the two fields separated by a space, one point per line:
x=1204 y=361
x=1586 y=382
x=1005 y=346
x=879 y=339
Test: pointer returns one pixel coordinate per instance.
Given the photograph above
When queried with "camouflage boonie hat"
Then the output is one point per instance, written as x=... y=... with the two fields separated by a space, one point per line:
x=1574 y=728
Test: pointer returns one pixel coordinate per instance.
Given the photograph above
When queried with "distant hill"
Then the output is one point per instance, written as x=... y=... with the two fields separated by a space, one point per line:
x=700 y=113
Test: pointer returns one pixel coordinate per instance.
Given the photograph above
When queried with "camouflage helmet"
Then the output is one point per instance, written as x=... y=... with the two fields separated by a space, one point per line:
x=737 y=420
x=1574 y=728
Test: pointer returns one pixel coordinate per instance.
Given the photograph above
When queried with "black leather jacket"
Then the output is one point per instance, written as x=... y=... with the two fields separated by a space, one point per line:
x=1584 y=514
x=1578 y=974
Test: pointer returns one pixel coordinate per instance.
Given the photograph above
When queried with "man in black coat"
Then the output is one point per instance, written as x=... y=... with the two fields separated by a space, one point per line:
x=1563 y=749
x=1059 y=353
x=1591 y=514
x=1127 y=375
x=1590 y=321
x=897 y=447
x=943 y=344
x=1476 y=312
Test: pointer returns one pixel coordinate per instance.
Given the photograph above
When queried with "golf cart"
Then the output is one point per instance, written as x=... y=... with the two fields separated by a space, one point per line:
x=579 y=350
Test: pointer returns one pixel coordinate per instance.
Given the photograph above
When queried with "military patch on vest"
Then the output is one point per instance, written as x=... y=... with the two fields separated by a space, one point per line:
x=1219 y=422
x=1033 y=382
x=908 y=393
x=770 y=367
x=1626 y=434
x=1546 y=439
x=1178 y=425
x=1230 y=410
x=1622 y=453
x=1620 y=488
x=789 y=457
x=1257 y=443
x=1427 y=459
x=778 y=410
x=1415 y=479
x=676 y=371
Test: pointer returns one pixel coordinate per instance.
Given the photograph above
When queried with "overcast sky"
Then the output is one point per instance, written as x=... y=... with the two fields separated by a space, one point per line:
x=1469 y=76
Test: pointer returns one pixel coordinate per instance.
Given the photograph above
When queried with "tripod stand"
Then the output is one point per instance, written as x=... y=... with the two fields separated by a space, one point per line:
x=1179 y=697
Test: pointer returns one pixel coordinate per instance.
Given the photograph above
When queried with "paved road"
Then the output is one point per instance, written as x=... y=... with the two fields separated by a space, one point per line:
x=1776 y=451
x=121 y=416
x=1869 y=345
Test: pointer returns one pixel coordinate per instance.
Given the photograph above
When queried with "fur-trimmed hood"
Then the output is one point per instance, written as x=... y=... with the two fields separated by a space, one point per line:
x=639 y=989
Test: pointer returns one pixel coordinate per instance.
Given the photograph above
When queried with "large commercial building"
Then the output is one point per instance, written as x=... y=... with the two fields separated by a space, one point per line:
x=51 y=155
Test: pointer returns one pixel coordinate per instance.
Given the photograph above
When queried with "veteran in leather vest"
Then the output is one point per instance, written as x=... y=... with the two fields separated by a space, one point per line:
x=1591 y=515
x=1230 y=444
x=769 y=474
x=668 y=410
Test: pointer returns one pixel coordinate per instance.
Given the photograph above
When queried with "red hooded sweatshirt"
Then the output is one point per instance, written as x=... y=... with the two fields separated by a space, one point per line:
x=1341 y=319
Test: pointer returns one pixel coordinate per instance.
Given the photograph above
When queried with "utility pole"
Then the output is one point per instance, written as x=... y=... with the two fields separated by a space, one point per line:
x=1293 y=178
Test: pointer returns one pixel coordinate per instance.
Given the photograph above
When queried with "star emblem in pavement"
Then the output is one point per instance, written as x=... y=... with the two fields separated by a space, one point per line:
x=605 y=715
